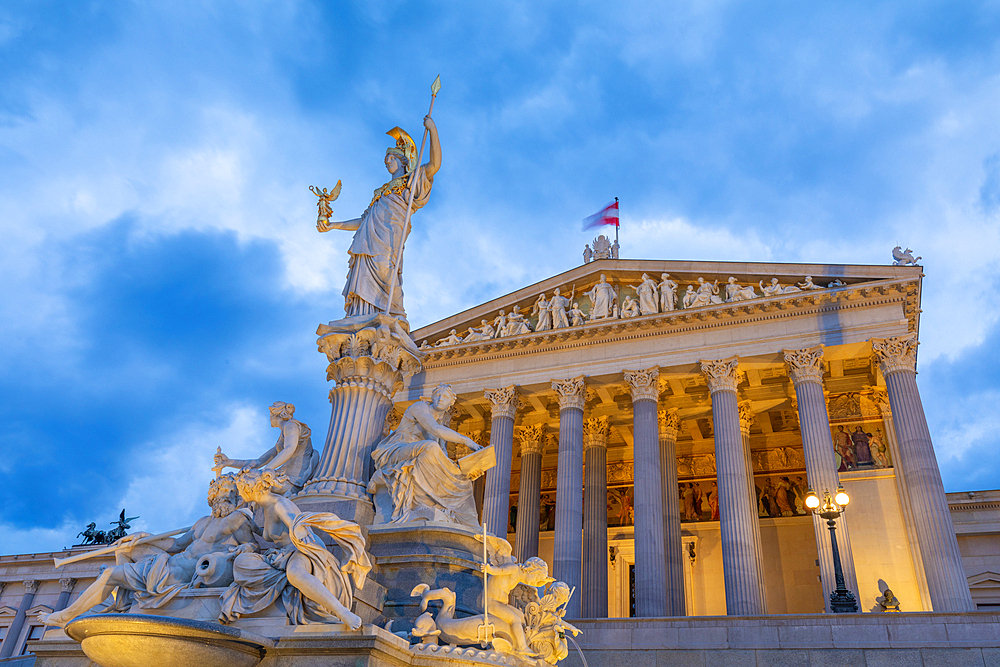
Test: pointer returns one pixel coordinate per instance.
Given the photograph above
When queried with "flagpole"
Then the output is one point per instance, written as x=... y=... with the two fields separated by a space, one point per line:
x=618 y=224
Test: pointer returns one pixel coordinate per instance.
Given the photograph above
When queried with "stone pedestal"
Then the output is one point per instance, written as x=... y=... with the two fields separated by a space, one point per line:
x=437 y=554
x=946 y=582
x=567 y=560
x=650 y=550
x=369 y=357
x=595 y=518
x=496 y=497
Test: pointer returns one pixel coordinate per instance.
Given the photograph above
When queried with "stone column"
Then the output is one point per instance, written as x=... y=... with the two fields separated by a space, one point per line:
x=496 y=500
x=881 y=399
x=595 y=518
x=674 y=550
x=532 y=439
x=14 y=631
x=805 y=367
x=740 y=567
x=568 y=548
x=650 y=547
x=367 y=365
x=946 y=582
x=746 y=421
x=66 y=589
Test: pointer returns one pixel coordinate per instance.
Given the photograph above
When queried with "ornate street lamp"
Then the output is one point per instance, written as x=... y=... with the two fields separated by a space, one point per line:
x=842 y=601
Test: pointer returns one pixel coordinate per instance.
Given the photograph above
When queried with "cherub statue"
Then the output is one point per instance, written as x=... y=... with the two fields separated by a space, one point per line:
x=904 y=258
x=156 y=571
x=630 y=308
x=808 y=284
x=325 y=211
x=313 y=585
x=293 y=452
x=576 y=316
x=736 y=292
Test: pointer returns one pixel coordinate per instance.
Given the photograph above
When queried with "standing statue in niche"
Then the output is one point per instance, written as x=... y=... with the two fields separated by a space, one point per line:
x=314 y=587
x=602 y=297
x=412 y=467
x=668 y=293
x=379 y=232
x=152 y=573
x=648 y=297
x=293 y=453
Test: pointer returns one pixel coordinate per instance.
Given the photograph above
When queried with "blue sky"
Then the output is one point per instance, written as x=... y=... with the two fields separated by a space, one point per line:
x=163 y=279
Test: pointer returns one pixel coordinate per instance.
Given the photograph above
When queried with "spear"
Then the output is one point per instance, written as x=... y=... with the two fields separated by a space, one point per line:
x=435 y=87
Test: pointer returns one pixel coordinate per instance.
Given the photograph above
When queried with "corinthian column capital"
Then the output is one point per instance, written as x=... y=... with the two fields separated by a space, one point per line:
x=805 y=365
x=670 y=423
x=572 y=393
x=504 y=402
x=896 y=354
x=595 y=432
x=644 y=385
x=532 y=438
x=747 y=417
x=66 y=585
x=30 y=586
x=722 y=374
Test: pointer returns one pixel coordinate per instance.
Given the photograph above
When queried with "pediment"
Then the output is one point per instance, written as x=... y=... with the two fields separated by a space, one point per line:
x=835 y=284
x=39 y=609
x=7 y=612
x=985 y=580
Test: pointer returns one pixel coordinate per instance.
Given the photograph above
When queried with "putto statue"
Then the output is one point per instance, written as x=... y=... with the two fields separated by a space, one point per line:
x=153 y=569
x=293 y=453
x=382 y=229
x=413 y=471
x=313 y=586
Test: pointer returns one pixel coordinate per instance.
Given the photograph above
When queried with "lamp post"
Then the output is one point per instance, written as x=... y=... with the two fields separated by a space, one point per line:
x=842 y=601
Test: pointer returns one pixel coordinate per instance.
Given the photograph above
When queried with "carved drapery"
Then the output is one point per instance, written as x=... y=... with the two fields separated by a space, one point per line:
x=644 y=385
x=805 y=365
x=896 y=354
x=721 y=374
x=504 y=402
x=571 y=393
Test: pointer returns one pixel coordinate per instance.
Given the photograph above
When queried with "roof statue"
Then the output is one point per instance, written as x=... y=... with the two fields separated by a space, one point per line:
x=904 y=257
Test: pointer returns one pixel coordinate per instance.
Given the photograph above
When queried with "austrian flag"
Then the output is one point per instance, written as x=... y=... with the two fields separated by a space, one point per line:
x=606 y=216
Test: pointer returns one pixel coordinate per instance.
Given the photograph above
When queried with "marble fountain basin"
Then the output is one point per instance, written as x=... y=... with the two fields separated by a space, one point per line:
x=136 y=640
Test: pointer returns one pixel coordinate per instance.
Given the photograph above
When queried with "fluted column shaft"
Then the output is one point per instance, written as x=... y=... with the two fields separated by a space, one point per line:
x=595 y=518
x=567 y=556
x=14 y=631
x=66 y=589
x=805 y=367
x=740 y=568
x=746 y=420
x=946 y=581
x=650 y=545
x=674 y=549
x=496 y=499
x=529 y=495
